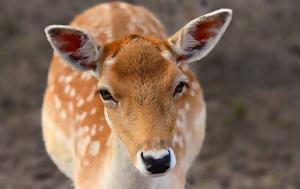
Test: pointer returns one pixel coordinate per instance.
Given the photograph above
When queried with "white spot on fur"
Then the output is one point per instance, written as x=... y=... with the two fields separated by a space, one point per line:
x=187 y=106
x=100 y=128
x=181 y=119
x=123 y=6
x=80 y=102
x=85 y=76
x=180 y=123
x=57 y=102
x=94 y=148
x=63 y=114
x=68 y=79
x=90 y=97
x=80 y=116
x=72 y=92
x=82 y=145
x=181 y=112
x=192 y=93
x=167 y=55
x=93 y=111
x=93 y=129
x=177 y=140
x=61 y=78
x=67 y=89
x=110 y=61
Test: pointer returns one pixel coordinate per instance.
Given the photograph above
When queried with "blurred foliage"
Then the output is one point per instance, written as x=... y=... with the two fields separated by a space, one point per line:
x=239 y=109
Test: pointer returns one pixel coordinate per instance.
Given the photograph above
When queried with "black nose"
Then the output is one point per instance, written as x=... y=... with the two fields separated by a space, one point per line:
x=157 y=165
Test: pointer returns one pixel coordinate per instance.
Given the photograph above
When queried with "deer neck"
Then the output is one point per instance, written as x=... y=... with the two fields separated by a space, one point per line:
x=121 y=173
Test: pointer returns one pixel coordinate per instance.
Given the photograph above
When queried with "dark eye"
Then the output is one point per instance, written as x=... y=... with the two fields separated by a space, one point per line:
x=105 y=94
x=179 y=88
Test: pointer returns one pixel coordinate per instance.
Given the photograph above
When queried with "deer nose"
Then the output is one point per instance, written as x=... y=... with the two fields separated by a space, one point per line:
x=157 y=162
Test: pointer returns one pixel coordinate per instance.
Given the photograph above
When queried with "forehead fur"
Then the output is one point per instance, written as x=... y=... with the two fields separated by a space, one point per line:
x=140 y=66
x=139 y=56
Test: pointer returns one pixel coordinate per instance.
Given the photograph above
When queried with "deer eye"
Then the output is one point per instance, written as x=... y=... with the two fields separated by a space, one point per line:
x=105 y=94
x=179 y=88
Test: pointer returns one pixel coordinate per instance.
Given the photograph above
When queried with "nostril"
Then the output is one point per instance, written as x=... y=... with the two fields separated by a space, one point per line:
x=147 y=161
x=168 y=158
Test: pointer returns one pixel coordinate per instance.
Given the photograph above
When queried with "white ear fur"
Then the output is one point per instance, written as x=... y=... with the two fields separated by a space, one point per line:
x=76 y=47
x=197 y=38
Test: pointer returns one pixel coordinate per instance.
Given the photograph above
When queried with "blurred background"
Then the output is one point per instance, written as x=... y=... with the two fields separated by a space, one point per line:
x=250 y=81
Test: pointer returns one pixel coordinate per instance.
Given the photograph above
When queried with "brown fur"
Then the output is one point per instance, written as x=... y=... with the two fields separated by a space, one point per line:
x=140 y=78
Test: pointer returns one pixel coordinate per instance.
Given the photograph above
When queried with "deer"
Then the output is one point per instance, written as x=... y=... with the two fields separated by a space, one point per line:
x=122 y=108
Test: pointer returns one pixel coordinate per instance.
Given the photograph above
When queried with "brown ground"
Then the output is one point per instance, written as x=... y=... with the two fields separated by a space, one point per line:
x=251 y=84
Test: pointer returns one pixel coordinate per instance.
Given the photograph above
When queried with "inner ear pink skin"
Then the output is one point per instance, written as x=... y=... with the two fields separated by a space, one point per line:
x=205 y=30
x=68 y=42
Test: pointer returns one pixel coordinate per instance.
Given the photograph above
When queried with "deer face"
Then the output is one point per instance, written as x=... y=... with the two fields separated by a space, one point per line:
x=140 y=90
x=140 y=82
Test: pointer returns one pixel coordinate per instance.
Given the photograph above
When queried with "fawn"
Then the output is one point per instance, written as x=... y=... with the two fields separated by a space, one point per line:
x=122 y=108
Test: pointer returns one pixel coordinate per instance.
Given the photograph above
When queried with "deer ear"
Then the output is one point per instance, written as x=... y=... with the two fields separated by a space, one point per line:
x=76 y=47
x=196 y=39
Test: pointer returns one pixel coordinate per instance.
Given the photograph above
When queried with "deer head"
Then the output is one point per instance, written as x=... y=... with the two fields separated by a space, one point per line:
x=141 y=83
